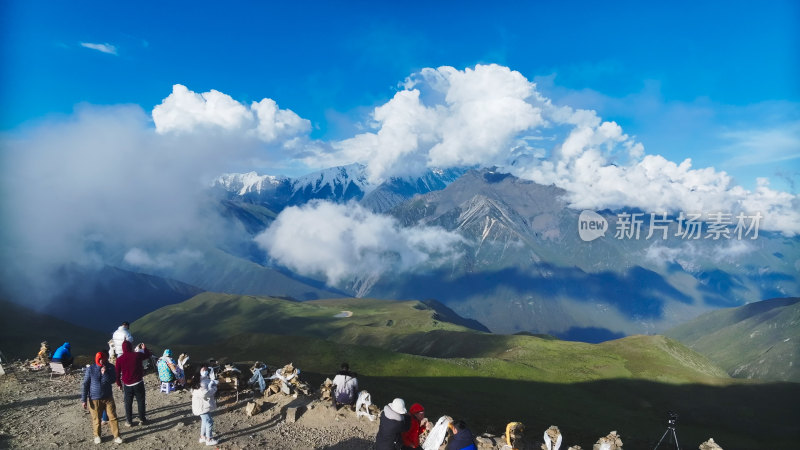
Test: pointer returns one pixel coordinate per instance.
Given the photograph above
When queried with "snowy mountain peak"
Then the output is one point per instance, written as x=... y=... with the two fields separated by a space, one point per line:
x=340 y=177
x=243 y=183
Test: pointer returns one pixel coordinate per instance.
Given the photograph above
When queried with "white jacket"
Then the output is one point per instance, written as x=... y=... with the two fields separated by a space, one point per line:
x=345 y=385
x=121 y=335
x=203 y=400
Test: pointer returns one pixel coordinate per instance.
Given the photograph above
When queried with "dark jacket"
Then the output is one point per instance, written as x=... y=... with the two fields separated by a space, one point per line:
x=389 y=430
x=463 y=440
x=129 y=365
x=97 y=385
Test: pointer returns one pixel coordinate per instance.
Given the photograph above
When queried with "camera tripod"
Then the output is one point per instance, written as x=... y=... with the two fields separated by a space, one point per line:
x=672 y=437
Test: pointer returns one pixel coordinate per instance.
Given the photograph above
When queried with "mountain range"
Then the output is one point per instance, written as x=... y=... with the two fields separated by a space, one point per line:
x=523 y=267
x=519 y=267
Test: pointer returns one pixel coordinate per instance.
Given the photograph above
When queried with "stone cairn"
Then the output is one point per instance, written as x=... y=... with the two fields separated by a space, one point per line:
x=610 y=442
x=287 y=381
x=326 y=390
x=42 y=359
x=710 y=445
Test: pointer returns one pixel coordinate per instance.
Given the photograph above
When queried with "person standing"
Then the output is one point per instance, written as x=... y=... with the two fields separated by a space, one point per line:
x=130 y=379
x=121 y=335
x=204 y=387
x=418 y=425
x=97 y=394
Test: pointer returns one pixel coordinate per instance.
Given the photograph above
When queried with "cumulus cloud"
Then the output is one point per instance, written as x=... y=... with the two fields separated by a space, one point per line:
x=490 y=115
x=185 y=111
x=105 y=48
x=340 y=242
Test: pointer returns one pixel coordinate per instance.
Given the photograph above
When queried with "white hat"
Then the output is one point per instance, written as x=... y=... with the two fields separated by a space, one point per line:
x=398 y=406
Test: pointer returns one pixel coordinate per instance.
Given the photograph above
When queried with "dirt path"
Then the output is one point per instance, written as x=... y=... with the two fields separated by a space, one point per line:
x=36 y=412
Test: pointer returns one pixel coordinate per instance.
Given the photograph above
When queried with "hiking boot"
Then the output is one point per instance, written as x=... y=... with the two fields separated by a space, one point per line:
x=212 y=442
x=128 y=424
x=144 y=422
x=97 y=439
x=118 y=440
x=202 y=440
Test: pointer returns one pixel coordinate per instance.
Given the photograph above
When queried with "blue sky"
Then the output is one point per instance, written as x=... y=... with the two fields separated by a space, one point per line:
x=717 y=81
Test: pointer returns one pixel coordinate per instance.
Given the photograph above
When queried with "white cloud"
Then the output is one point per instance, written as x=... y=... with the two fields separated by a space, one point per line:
x=340 y=242
x=763 y=146
x=105 y=48
x=185 y=111
x=142 y=259
x=89 y=188
x=474 y=118
x=486 y=115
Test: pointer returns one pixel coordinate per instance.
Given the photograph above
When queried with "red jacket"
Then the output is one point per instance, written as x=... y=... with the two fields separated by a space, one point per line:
x=411 y=437
x=129 y=365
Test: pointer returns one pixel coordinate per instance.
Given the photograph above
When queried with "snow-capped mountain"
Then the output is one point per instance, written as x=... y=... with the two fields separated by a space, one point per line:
x=250 y=182
x=337 y=184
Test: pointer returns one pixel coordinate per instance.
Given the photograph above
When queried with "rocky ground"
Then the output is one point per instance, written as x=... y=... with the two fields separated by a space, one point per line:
x=36 y=412
x=39 y=412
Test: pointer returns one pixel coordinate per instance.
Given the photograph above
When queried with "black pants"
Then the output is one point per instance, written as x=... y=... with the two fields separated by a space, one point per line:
x=130 y=392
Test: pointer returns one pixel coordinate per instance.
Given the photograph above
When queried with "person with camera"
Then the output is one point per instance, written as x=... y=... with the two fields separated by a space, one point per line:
x=130 y=379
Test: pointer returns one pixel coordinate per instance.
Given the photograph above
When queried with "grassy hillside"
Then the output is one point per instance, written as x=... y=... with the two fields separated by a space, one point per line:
x=22 y=330
x=759 y=340
x=403 y=349
x=412 y=327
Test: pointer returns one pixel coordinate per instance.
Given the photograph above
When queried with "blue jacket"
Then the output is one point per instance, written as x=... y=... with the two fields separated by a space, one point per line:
x=62 y=353
x=463 y=440
x=97 y=385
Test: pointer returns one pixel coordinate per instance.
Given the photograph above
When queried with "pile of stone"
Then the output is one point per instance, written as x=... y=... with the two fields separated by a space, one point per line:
x=710 y=445
x=286 y=380
x=610 y=442
x=42 y=359
x=326 y=390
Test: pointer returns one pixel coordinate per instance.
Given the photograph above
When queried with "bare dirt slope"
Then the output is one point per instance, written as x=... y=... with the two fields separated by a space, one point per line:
x=36 y=412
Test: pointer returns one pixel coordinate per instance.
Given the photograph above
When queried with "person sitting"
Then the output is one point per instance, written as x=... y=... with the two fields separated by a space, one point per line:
x=168 y=371
x=345 y=387
x=394 y=421
x=418 y=425
x=62 y=355
x=462 y=437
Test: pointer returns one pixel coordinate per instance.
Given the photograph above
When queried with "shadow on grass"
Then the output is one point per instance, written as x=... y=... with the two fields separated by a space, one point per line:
x=743 y=416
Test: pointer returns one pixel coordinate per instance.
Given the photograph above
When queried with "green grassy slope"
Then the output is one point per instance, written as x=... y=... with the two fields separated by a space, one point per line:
x=413 y=328
x=758 y=340
x=22 y=330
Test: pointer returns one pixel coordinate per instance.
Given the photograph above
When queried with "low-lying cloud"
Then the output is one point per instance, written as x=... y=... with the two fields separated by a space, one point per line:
x=340 y=242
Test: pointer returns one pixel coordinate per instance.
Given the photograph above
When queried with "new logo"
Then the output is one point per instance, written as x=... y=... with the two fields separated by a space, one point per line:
x=591 y=225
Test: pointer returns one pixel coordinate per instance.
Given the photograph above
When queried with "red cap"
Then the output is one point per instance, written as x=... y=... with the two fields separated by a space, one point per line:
x=415 y=408
x=98 y=358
